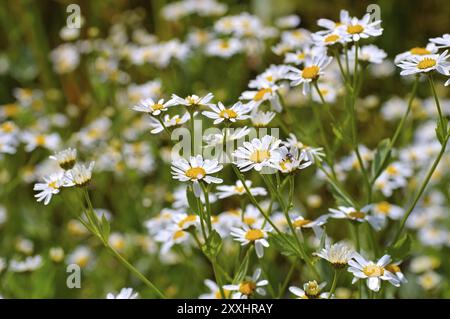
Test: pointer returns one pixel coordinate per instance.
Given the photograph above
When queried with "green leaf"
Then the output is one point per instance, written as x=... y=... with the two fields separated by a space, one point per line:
x=382 y=152
x=286 y=244
x=441 y=131
x=401 y=248
x=213 y=245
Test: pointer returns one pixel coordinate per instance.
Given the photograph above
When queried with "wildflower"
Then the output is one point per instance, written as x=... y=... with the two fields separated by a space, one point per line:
x=304 y=54
x=429 y=280
x=268 y=93
x=425 y=64
x=34 y=139
x=355 y=215
x=416 y=52
x=65 y=58
x=311 y=290
x=249 y=286
x=219 y=113
x=257 y=154
x=311 y=71
x=184 y=221
x=168 y=121
x=269 y=77
x=373 y=272
x=171 y=236
x=314 y=153
x=386 y=209
x=151 y=107
x=81 y=256
x=368 y=53
x=196 y=170
x=394 y=268
x=30 y=263
x=337 y=254
x=262 y=119
x=360 y=28
x=224 y=48
x=322 y=39
x=125 y=293
x=256 y=236
x=191 y=101
x=291 y=160
x=225 y=191
x=56 y=254
x=66 y=158
x=215 y=292
x=51 y=185
x=441 y=42
x=80 y=174
x=328 y=92
x=287 y=22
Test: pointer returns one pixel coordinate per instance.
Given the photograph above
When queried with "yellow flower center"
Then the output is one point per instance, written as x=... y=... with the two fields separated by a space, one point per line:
x=195 y=173
x=226 y=292
x=355 y=29
x=301 y=56
x=7 y=127
x=259 y=156
x=224 y=45
x=372 y=270
x=356 y=215
x=269 y=78
x=53 y=185
x=419 y=51
x=192 y=100
x=426 y=63
x=254 y=234
x=249 y=220
x=157 y=106
x=331 y=38
x=392 y=170
x=393 y=268
x=187 y=219
x=228 y=114
x=261 y=93
x=247 y=287
x=310 y=72
x=299 y=223
x=82 y=261
x=239 y=189
x=40 y=139
x=312 y=289
x=178 y=234
x=384 y=207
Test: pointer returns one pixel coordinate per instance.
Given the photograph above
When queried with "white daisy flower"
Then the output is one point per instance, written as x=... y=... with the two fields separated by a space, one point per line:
x=291 y=160
x=262 y=119
x=220 y=113
x=66 y=158
x=368 y=53
x=337 y=254
x=212 y=140
x=151 y=107
x=196 y=170
x=416 y=52
x=386 y=209
x=360 y=28
x=81 y=174
x=256 y=236
x=171 y=236
x=224 y=48
x=314 y=153
x=305 y=53
x=30 y=263
x=311 y=71
x=287 y=22
x=311 y=290
x=225 y=191
x=332 y=26
x=441 y=42
x=328 y=92
x=426 y=63
x=355 y=215
x=52 y=185
x=215 y=292
x=256 y=98
x=168 y=121
x=33 y=140
x=322 y=39
x=184 y=221
x=373 y=272
x=248 y=287
x=125 y=293
x=192 y=101
x=257 y=154
x=394 y=268
x=82 y=256
x=269 y=77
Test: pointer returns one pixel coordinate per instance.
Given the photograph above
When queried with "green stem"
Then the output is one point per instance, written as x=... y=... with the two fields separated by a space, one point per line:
x=287 y=279
x=333 y=285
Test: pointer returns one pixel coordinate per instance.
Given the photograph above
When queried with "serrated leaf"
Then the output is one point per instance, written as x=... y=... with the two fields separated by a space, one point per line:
x=401 y=248
x=285 y=244
x=213 y=245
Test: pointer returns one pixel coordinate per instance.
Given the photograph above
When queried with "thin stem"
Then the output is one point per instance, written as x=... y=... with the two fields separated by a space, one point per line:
x=397 y=132
x=421 y=189
x=208 y=207
x=333 y=285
